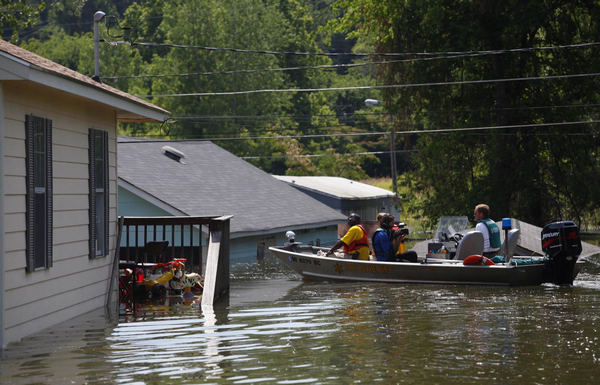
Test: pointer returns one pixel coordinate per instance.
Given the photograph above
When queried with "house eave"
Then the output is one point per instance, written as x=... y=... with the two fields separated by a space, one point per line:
x=128 y=109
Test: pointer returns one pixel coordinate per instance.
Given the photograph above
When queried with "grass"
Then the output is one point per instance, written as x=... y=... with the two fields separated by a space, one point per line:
x=415 y=225
x=384 y=183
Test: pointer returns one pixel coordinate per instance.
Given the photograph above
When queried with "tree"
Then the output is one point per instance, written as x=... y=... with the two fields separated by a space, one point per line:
x=525 y=172
x=281 y=132
x=18 y=14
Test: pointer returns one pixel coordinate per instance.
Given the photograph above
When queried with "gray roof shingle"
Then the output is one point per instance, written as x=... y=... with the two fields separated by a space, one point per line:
x=213 y=181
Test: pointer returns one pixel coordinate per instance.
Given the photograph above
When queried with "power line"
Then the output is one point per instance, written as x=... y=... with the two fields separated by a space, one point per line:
x=285 y=69
x=388 y=86
x=224 y=117
x=232 y=72
x=442 y=55
x=361 y=54
x=309 y=116
x=379 y=133
x=325 y=154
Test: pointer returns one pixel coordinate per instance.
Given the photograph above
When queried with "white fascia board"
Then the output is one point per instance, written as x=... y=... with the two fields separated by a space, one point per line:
x=12 y=68
x=16 y=69
x=150 y=198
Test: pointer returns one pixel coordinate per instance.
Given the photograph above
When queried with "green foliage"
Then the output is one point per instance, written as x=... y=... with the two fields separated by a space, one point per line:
x=535 y=174
x=74 y=52
x=18 y=14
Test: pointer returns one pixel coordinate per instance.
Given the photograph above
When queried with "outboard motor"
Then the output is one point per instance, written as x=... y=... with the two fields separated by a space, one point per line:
x=562 y=244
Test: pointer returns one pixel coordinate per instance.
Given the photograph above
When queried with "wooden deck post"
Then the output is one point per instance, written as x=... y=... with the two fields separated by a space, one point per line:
x=216 y=276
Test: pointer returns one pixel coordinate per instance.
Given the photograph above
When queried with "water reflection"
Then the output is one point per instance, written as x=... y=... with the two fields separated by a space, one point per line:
x=285 y=331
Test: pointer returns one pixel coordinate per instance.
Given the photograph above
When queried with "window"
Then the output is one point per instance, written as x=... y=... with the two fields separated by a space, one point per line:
x=99 y=216
x=38 y=148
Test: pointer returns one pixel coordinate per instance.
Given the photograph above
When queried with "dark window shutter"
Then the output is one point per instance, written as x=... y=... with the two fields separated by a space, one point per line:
x=30 y=198
x=49 y=207
x=98 y=157
x=92 y=191
x=38 y=217
x=106 y=192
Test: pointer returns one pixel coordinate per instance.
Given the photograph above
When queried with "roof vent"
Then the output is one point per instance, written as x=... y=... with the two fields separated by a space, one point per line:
x=173 y=153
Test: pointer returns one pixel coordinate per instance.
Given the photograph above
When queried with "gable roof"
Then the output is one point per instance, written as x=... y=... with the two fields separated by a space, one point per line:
x=212 y=181
x=17 y=63
x=337 y=187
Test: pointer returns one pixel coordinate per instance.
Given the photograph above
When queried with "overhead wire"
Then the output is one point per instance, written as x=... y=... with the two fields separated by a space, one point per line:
x=233 y=72
x=362 y=54
x=398 y=133
x=374 y=87
x=284 y=69
x=326 y=154
x=375 y=113
x=422 y=56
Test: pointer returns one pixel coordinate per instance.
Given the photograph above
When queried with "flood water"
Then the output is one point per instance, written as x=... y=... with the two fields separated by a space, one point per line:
x=277 y=329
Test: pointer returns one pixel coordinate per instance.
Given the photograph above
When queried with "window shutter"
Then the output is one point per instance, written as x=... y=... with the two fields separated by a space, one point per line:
x=30 y=197
x=106 y=191
x=38 y=221
x=92 y=192
x=49 y=208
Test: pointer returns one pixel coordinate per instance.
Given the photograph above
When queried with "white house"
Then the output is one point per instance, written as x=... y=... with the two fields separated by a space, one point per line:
x=58 y=189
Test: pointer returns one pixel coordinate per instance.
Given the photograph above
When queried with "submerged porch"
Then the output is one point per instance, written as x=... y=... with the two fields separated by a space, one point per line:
x=202 y=241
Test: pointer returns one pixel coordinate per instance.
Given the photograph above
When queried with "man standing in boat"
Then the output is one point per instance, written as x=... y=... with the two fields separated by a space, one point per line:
x=355 y=241
x=489 y=229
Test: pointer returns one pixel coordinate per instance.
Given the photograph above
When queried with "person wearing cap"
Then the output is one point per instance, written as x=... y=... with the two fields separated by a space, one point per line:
x=355 y=241
x=489 y=229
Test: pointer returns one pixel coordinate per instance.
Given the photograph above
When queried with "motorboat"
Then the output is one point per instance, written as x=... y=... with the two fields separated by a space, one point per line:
x=465 y=265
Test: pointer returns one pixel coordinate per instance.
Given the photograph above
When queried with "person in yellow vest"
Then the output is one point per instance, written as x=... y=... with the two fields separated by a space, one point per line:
x=355 y=241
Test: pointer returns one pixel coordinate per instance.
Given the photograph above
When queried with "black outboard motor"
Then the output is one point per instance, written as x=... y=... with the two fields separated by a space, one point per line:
x=562 y=244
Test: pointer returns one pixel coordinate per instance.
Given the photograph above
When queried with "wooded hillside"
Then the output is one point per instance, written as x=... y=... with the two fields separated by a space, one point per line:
x=493 y=102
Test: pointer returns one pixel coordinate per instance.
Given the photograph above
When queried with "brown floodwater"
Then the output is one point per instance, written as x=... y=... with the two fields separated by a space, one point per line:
x=276 y=329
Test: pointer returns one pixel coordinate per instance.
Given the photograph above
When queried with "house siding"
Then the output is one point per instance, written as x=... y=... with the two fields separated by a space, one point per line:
x=75 y=284
x=131 y=205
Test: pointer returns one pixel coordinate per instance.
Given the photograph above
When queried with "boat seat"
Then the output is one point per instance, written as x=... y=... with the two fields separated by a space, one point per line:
x=471 y=243
x=511 y=240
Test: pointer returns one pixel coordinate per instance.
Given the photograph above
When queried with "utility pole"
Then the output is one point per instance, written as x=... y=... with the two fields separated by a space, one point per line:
x=393 y=156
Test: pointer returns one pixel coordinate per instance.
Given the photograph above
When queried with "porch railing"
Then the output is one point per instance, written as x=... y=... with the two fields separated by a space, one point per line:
x=202 y=241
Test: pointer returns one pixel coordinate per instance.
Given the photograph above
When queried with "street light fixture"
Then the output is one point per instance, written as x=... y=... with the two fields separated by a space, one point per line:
x=99 y=15
x=374 y=102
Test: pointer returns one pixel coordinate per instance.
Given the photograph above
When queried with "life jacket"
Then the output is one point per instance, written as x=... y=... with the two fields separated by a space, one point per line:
x=494 y=232
x=379 y=229
x=385 y=254
x=355 y=245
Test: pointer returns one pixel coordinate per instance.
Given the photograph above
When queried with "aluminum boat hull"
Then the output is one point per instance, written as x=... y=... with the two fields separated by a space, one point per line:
x=305 y=261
